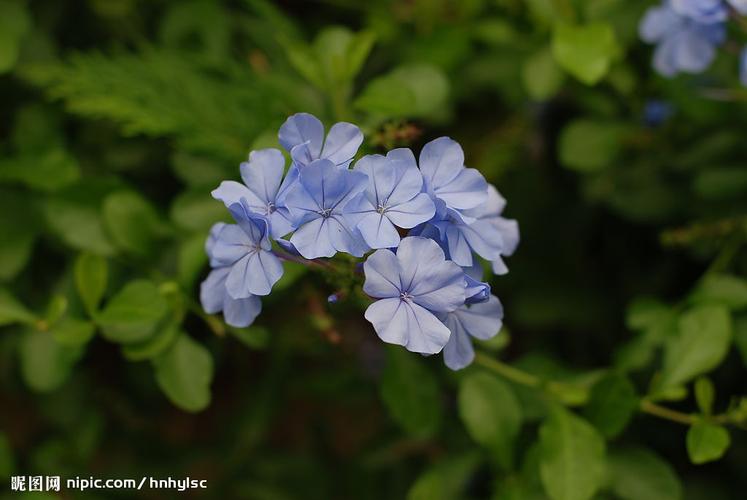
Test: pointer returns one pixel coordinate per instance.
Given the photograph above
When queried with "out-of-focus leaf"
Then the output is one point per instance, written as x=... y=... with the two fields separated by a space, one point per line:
x=491 y=414
x=254 y=337
x=612 y=404
x=589 y=145
x=197 y=210
x=199 y=27
x=161 y=340
x=572 y=457
x=15 y=22
x=722 y=289
x=638 y=474
x=198 y=171
x=445 y=480
x=133 y=313
x=410 y=393
x=45 y=363
x=701 y=344
x=48 y=170
x=72 y=332
x=740 y=336
x=721 y=183
x=586 y=52
x=91 y=275
x=412 y=90
x=707 y=442
x=184 y=372
x=705 y=394
x=7 y=462
x=191 y=258
x=131 y=221
x=12 y=311
x=541 y=75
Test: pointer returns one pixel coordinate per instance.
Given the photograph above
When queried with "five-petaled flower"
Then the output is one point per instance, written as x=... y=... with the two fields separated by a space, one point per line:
x=302 y=135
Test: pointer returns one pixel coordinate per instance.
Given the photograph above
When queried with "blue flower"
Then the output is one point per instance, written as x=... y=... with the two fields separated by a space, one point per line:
x=475 y=290
x=214 y=296
x=318 y=207
x=411 y=286
x=263 y=189
x=246 y=248
x=303 y=136
x=683 y=43
x=453 y=186
x=743 y=66
x=702 y=11
x=393 y=198
x=657 y=112
x=481 y=321
x=739 y=5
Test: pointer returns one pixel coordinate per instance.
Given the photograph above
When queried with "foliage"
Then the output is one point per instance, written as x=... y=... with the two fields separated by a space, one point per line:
x=619 y=370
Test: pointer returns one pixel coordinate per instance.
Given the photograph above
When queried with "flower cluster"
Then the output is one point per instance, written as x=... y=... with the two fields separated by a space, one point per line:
x=421 y=222
x=688 y=32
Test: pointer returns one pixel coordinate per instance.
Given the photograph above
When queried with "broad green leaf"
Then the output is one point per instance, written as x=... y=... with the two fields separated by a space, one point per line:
x=131 y=222
x=705 y=394
x=639 y=474
x=197 y=210
x=56 y=308
x=701 y=344
x=586 y=52
x=572 y=457
x=445 y=480
x=191 y=259
x=72 y=332
x=45 y=363
x=161 y=340
x=133 y=313
x=91 y=274
x=410 y=393
x=612 y=404
x=48 y=170
x=408 y=91
x=707 y=442
x=198 y=171
x=491 y=414
x=341 y=53
x=78 y=224
x=184 y=372
x=7 y=462
x=589 y=145
x=722 y=289
x=19 y=226
x=12 y=311
x=15 y=22
x=541 y=75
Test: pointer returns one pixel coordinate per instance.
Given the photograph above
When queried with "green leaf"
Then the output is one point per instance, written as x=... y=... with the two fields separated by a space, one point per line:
x=131 y=221
x=15 y=22
x=341 y=53
x=12 y=311
x=78 y=224
x=410 y=393
x=133 y=313
x=491 y=414
x=91 y=274
x=722 y=289
x=164 y=336
x=72 y=332
x=416 y=90
x=639 y=474
x=701 y=344
x=445 y=480
x=707 y=442
x=45 y=363
x=541 y=75
x=572 y=457
x=184 y=373
x=705 y=394
x=48 y=170
x=612 y=403
x=197 y=210
x=721 y=183
x=254 y=337
x=589 y=145
x=191 y=259
x=586 y=52
x=740 y=336
x=7 y=462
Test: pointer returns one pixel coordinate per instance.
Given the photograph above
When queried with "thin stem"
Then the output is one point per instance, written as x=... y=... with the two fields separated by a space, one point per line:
x=666 y=413
x=320 y=264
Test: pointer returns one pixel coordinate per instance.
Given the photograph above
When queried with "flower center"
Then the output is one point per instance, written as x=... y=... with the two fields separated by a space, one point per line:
x=381 y=208
x=325 y=212
x=270 y=208
x=405 y=296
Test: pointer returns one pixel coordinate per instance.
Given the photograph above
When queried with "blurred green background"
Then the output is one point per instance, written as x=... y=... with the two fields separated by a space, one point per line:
x=119 y=117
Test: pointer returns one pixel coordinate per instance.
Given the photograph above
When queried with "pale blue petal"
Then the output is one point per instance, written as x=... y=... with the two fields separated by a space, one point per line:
x=413 y=212
x=302 y=155
x=254 y=274
x=664 y=57
x=382 y=275
x=231 y=245
x=509 y=230
x=290 y=180
x=459 y=249
x=694 y=53
x=458 y=352
x=242 y=312
x=254 y=225
x=263 y=173
x=739 y=5
x=288 y=247
x=345 y=237
x=475 y=291
x=404 y=157
x=213 y=290
x=357 y=208
x=482 y=321
x=280 y=225
x=343 y=141
x=743 y=63
x=323 y=181
x=302 y=128
x=312 y=240
x=409 y=181
x=467 y=190
x=441 y=160
x=378 y=231
x=400 y=322
x=658 y=23
x=210 y=242
x=301 y=205
x=230 y=192
x=499 y=267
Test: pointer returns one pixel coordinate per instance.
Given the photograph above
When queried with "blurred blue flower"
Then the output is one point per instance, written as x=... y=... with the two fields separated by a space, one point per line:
x=214 y=297
x=246 y=248
x=739 y=5
x=683 y=43
x=411 y=286
x=743 y=66
x=702 y=11
x=393 y=198
x=481 y=321
x=264 y=189
x=453 y=186
x=302 y=135
x=318 y=208
x=657 y=112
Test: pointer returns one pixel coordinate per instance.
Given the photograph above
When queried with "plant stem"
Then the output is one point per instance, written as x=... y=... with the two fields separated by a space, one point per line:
x=666 y=413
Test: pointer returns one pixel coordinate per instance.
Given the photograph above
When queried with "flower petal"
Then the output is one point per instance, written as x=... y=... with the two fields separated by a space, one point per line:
x=312 y=240
x=255 y=274
x=482 y=321
x=467 y=190
x=263 y=173
x=458 y=352
x=441 y=160
x=400 y=322
x=302 y=128
x=411 y=213
x=230 y=192
x=213 y=290
x=345 y=237
x=343 y=141
x=382 y=275
x=230 y=246
x=378 y=231
x=241 y=313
